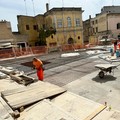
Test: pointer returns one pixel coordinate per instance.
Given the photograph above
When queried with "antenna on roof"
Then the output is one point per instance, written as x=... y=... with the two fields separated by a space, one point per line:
x=25 y=7
x=33 y=8
x=62 y=3
x=112 y=2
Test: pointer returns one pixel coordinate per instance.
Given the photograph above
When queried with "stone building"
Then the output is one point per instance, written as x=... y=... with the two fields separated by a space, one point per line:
x=28 y=25
x=105 y=24
x=6 y=36
x=67 y=23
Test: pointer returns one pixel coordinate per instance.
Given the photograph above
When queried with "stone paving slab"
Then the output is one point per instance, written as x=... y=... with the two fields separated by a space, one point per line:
x=78 y=106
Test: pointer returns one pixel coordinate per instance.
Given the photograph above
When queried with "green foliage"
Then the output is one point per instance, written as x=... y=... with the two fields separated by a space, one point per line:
x=49 y=32
x=41 y=38
x=43 y=34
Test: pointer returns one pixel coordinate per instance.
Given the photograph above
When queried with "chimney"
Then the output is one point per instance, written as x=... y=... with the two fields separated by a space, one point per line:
x=89 y=16
x=47 y=6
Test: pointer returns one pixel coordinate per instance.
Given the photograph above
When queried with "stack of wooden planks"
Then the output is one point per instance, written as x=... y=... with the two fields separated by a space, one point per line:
x=27 y=95
x=5 y=111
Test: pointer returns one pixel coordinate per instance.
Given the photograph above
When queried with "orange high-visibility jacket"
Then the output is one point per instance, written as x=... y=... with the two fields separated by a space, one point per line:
x=38 y=64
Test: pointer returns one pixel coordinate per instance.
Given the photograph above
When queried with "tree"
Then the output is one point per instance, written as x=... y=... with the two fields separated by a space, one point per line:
x=43 y=34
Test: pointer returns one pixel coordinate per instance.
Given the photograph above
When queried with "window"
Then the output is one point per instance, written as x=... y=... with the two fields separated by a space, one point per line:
x=35 y=27
x=96 y=29
x=96 y=21
x=59 y=23
x=78 y=37
x=27 y=27
x=69 y=22
x=43 y=26
x=77 y=22
x=118 y=26
x=52 y=36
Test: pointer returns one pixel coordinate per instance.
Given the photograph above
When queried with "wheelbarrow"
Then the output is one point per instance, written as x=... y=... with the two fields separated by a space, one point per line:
x=105 y=68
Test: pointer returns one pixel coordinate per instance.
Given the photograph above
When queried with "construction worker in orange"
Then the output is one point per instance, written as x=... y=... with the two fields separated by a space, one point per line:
x=38 y=65
x=115 y=46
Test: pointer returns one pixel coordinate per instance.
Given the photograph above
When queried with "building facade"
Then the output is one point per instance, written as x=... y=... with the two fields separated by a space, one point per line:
x=67 y=23
x=29 y=26
x=105 y=24
x=6 y=36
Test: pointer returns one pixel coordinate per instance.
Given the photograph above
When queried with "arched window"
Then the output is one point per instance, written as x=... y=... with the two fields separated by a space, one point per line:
x=77 y=22
x=78 y=37
x=69 y=22
x=59 y=23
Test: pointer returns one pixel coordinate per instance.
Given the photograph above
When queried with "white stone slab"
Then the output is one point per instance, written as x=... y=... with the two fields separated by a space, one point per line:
x=78 y=106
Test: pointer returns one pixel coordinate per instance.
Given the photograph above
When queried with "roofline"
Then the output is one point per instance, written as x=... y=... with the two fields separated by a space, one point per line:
x=64 y=9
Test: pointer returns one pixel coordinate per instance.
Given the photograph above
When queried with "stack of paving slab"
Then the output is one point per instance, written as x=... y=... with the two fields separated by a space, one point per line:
x=45 y=101
x=20 y=97
x=67 y=106
x=16 y=75
x=6 y=112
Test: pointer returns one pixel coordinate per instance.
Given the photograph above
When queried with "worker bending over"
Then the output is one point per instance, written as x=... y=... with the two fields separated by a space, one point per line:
x=38 y=65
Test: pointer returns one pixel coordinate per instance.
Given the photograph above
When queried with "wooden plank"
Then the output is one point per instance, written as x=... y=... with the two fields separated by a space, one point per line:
x=95 y=113
x=108 y=115
x=26 y=101
x=7 y=107
x=5 y=111
x=31 y=94
x=24 y=88
x=30 y=90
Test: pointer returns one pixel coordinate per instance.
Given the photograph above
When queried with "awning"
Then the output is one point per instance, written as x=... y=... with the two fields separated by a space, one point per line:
x=7 y=45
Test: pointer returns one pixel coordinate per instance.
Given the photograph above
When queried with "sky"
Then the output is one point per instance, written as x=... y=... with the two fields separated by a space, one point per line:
x=9 y=9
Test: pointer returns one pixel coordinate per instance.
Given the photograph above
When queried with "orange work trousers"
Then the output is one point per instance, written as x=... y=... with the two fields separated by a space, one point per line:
x=40 y=74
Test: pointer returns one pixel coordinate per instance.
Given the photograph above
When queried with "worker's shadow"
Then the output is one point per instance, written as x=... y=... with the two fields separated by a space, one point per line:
x=105 y=79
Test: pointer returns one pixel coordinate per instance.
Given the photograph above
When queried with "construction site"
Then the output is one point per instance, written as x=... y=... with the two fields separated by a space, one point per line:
x=71 y=89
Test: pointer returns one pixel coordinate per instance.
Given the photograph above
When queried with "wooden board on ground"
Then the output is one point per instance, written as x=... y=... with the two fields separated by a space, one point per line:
x=8 y=84
x=5 y=111
x=108 y=114
x=17 y=98
x=80 y=107
x=46 y=110
x=22 y=79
